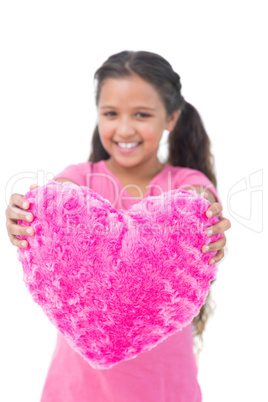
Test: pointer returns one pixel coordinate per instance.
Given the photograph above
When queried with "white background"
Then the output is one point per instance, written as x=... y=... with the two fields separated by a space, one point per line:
x=49 y=53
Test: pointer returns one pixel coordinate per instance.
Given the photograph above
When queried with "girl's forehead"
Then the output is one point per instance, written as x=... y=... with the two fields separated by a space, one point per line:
x=132 y=87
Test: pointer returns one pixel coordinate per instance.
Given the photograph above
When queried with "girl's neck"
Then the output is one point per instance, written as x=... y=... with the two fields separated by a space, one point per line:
x=142 y=172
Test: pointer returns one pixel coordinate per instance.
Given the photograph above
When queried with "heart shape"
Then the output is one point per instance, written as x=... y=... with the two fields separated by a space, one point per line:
x=115 y=283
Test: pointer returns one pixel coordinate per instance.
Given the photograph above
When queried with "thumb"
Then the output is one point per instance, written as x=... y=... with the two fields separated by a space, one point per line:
x=32 y=186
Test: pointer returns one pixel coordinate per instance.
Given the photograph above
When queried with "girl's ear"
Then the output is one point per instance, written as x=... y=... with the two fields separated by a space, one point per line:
x=172 y=120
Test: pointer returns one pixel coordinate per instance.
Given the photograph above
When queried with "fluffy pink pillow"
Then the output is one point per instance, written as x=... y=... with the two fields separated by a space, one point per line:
x=117 y=282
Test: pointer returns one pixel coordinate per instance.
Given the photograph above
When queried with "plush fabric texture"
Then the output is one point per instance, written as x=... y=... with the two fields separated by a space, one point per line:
x=117 y=282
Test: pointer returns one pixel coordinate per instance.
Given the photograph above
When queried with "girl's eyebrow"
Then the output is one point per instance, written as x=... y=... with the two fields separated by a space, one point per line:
x=137 y=107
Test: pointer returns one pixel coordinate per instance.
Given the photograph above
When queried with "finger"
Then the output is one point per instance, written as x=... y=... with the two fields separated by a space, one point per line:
x=16 y=230
x=18 y=243
x=219 y=227
x=221 y=218
x=15 y=213
x=19 y=201
x=213 y=246
x=204 y=195
x=214 y=209
x=218 y=257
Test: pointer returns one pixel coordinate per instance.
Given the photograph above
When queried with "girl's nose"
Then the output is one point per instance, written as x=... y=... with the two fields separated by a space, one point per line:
x=125 y=127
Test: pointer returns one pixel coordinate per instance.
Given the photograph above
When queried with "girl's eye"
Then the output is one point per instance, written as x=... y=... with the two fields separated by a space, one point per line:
x=144 y=114
x=114 y=113
x=108 y=113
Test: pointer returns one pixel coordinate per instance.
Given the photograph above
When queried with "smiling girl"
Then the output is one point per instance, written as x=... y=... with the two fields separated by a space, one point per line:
x=138 y=96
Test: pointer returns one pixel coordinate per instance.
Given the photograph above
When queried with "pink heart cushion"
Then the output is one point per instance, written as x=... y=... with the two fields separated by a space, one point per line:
x=116 y=283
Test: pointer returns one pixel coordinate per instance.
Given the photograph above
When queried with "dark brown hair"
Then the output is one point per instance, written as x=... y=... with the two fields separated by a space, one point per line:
x=189 y=144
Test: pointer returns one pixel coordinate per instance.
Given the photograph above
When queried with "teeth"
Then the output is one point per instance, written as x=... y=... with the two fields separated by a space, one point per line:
x=127 y=145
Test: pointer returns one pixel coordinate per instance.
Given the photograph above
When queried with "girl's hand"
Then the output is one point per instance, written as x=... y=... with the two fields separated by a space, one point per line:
x=13 y=213
x=219 y=227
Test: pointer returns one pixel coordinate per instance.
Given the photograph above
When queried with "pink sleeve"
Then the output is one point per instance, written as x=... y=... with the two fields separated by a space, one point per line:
x=76 y=173
x=193 y=177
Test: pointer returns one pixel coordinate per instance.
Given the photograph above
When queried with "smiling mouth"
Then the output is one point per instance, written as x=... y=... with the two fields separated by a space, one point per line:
x=127 y=145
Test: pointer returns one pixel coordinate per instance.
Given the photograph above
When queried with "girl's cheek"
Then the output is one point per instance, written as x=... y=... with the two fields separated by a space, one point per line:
x=153 y=135
x=106 y=129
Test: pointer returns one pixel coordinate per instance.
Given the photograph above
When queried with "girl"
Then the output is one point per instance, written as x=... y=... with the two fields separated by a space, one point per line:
x=137 y=97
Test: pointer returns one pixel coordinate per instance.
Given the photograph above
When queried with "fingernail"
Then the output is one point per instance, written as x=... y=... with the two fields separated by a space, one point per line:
x=25 y=204
x=209 y=232
x=29 y=230
x=206 y=248
x=209 y=214
x=29 y=217
x=23 y=243
x=212 y=261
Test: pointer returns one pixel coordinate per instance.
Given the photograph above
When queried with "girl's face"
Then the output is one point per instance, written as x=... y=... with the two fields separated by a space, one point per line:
x=131 y=120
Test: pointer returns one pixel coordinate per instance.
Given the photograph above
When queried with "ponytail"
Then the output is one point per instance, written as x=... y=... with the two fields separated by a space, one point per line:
x=189 y=144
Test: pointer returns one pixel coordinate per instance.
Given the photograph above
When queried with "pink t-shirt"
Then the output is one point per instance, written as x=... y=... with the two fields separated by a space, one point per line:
x=168 y=372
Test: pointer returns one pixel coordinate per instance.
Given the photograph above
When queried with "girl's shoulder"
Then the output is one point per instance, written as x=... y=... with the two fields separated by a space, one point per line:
x=76 y=172
x=184 y=173
x=81 y=173
x=185 y=178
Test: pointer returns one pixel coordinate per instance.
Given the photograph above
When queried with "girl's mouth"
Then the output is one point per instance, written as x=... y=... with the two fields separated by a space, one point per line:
x=127 y=147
